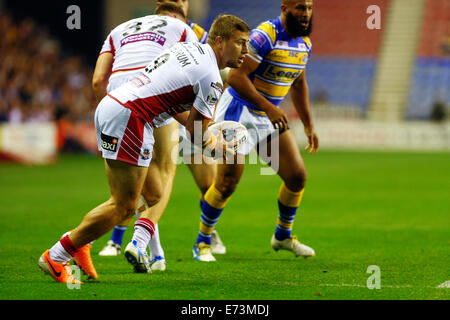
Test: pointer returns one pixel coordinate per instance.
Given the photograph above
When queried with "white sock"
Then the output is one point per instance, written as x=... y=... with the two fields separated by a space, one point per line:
x=155 y=245
x=142 y=237
x=58 y=254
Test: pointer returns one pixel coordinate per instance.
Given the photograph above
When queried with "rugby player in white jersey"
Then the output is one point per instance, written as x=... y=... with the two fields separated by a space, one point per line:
x=126 y=51
x=203 y=174
x=183 y=78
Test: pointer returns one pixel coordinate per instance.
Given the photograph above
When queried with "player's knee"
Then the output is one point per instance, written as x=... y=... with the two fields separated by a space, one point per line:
x=296 y=181
x=125 y=209
x=227 y=186
x=204 y=184
x=153 y=197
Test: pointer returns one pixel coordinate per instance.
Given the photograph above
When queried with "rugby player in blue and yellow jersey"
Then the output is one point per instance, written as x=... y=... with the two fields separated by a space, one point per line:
x=279 y=50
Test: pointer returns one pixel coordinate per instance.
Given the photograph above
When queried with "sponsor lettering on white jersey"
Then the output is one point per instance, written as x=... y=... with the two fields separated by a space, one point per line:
x=184 y=76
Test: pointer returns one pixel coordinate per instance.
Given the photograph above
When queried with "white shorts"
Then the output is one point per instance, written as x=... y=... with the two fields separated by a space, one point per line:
x=123 y=135
x=116 y=80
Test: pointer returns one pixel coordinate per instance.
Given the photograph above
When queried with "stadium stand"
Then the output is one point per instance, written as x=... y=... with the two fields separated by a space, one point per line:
x=431 y=77
x=344 y=55
x=344 y=51
x=38 y=83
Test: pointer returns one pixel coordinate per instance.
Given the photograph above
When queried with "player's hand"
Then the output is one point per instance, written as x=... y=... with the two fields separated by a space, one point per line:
x=313 y=140
x=224 y=149
x=220 y=148
x=278 y=119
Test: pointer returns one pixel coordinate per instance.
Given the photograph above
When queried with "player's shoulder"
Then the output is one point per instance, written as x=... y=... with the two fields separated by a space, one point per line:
x=271 y=28
x=201 y=33
x=307 y=41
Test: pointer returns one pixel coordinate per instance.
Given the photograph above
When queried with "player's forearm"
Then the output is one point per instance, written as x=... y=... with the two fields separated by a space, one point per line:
x=300 y=99
x=246 y=90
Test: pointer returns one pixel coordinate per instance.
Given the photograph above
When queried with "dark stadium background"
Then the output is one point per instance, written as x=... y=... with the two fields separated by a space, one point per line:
x=52 y=14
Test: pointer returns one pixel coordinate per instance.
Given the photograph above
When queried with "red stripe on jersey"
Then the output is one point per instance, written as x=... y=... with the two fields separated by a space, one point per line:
x=111 y=43
x=170 y=102
x=130 y=147
x=137 y=68
x=202 y=113
x=113 y=51
x=104 y=52
x=183 y=36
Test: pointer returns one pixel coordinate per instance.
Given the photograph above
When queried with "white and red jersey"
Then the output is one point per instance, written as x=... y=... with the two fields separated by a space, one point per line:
x=184 y=76
x=137 y=42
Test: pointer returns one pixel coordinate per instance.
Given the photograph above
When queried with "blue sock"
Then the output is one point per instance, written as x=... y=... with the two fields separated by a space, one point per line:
x=285 y=221
x=208 y=220
x=117 y=235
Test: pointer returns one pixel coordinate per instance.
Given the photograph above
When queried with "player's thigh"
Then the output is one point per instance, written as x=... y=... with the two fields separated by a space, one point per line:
x=125 y=182
x=152 y=190
x=166 y=147
x=287 y=161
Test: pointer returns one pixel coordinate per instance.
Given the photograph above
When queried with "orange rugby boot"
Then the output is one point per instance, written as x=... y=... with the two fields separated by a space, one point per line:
x=84 y=261
x=59 y=271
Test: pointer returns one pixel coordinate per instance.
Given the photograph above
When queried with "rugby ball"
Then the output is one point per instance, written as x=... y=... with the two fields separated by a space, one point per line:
x=232 y=131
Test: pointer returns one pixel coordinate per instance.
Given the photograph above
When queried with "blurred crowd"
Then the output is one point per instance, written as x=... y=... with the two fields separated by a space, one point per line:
x=38 y=82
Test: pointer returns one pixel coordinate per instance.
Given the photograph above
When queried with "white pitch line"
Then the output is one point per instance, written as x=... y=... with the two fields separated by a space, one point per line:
x=361 y=286
x=445 y=284
x=442 y=285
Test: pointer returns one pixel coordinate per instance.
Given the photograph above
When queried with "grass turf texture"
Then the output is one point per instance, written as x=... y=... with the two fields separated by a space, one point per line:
x=359 y=209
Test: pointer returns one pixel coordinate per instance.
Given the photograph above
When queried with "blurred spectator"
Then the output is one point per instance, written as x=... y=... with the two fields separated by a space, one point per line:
x=438 y=112
x=37 y=84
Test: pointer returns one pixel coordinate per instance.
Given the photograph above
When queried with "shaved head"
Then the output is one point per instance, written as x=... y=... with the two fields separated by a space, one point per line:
x=296 y=17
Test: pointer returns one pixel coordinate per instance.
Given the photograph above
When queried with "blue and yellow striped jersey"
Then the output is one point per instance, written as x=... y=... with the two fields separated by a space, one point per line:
x=202 y=35
x=281 y=59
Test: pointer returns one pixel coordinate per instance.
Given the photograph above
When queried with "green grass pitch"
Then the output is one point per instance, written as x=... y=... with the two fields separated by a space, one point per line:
x=390 y=209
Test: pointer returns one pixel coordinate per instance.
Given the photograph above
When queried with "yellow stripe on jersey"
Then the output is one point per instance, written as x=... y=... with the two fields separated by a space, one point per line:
x=270 y=30
x=260 y=113
x=199 y=31
x=254 y=57
x=271 y=89
x=281 y=75
x=294 y=58
x=307 y=41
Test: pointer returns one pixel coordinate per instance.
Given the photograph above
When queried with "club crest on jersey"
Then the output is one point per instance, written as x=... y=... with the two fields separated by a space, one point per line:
x=145 y=154
x=109 y=143
x=211 y=100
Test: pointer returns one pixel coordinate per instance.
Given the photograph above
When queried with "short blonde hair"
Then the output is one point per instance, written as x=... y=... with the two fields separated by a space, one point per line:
x=224 y=26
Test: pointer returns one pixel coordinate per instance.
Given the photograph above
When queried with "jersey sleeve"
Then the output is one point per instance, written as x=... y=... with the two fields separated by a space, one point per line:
x=208 y=91
x=201 y=34
x=308 y=43
x=261 y=41
x=108 y=45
